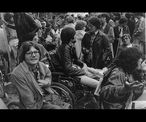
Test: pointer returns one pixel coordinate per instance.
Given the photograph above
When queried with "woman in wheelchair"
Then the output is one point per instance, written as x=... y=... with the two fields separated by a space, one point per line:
x=29 y=76
x=67 y=58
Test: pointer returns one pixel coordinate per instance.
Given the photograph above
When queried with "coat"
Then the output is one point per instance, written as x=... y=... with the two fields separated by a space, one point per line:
x=28 y=89
x=86 y=48
x=100 y=51
x=68 y=60
x=25 y=26
x=139 y=32
x=113 y=94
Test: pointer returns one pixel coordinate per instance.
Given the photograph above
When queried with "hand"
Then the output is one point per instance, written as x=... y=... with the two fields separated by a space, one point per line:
x=133 y=85
x=44 y=82
x=143 y=65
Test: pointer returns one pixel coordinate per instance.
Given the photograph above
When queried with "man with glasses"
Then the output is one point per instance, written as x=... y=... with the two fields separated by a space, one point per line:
x=30 y=76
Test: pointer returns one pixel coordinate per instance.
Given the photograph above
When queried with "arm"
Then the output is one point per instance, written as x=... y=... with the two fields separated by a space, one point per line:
x=11 y=26
x=114 y=90
x=48 y=76
x=67 y=63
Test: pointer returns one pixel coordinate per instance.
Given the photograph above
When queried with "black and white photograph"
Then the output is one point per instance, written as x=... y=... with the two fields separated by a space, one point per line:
x=72 y=60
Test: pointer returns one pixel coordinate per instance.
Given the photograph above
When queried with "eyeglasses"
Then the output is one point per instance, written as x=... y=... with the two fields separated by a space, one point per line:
x=31 y=53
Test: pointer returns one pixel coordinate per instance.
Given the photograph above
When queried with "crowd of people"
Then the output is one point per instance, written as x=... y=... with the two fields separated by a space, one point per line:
x=112 y=44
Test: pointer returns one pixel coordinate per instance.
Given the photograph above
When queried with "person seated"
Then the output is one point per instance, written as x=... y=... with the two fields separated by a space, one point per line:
x=71 y=65
x=123 y=81
x=30 y=76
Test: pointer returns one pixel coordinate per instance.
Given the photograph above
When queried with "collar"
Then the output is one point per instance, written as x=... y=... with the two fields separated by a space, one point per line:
x=25 y=67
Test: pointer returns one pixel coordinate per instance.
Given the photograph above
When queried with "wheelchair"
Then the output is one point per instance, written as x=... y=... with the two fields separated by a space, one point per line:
x=79 y=96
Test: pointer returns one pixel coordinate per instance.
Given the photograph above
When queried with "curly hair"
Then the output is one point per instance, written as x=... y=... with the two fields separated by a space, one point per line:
x=128 y=59
x=26 y=47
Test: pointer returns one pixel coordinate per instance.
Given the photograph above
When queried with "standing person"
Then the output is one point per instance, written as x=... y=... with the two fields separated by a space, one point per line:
x=109 y=31
x=25 y=26
x=11 y=37
x=101 y=51
x=139 y=33
x=130 y=23
x=4 y=52
x=80 y=32
x=119 y=30
x=87 y=45
x=30 y=76
x=122 y=83
x=69 y=22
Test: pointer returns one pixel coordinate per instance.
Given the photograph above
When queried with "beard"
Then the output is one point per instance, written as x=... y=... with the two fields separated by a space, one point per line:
x=138 y=74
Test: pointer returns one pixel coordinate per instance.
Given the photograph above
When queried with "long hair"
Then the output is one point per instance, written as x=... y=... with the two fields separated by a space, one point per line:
x=128 y=59
x=26 y=47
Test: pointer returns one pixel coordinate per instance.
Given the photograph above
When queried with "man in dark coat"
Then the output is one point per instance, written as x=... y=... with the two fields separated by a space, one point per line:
x=101 y=52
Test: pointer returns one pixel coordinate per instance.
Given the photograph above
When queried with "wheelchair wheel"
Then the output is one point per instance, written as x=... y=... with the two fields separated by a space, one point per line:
x=15 y=105
x=64 y=94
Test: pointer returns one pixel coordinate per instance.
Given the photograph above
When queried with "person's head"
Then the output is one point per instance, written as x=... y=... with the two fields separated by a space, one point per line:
x=79 y=17
x=111 y=23
x=129 y=60
x=8 y=17
x=67 y=35
x=69 y=19
x=123 y=21
x=30 y=53
x=105 y=17
x=126 y=39
x=80 y=25
x=94 y=24
x=43 y=23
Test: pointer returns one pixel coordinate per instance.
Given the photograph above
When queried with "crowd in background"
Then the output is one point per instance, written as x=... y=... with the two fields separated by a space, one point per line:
x=116 y=31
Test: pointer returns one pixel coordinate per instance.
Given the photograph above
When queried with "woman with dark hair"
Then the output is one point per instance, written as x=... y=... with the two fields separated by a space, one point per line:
x=30 y=76
x=71 y=65
x=120 y=84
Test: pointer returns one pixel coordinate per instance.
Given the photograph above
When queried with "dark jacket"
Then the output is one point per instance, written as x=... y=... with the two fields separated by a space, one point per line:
x=68 y=60
x=100 y=51
x=113 y=94
x=25 y=26
x=86 y=47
